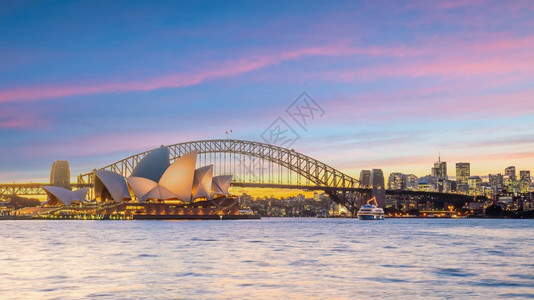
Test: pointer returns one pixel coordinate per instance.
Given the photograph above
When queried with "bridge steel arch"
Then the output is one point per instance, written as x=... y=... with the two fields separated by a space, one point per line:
x=335 y=183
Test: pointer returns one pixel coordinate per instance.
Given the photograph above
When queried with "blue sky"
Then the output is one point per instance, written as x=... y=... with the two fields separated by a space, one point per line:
x=95 y=81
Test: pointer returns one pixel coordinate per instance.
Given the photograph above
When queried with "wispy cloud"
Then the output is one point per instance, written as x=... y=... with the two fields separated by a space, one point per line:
x=224 y=69
x=11 y=118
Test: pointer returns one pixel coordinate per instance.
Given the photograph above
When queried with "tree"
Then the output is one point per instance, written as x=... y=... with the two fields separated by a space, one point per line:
x=493 y=211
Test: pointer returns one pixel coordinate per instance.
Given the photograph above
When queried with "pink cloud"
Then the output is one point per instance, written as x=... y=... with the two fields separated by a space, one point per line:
x=21 y=119
x=123 y=144
x=222 y=70
x=458 y=3
x=413 y=104
x=442 y=57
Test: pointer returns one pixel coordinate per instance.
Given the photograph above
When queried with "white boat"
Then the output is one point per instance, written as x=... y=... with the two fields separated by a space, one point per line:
x=371 y=212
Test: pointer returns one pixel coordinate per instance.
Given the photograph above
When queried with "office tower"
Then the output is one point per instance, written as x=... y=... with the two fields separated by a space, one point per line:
x=510 y=179
x=510 y=172
x=524 y=181
x=395 y=181
x=410 y=182
x=474 y=185
x=496 y=183
x=463 y=172
x=440 y=169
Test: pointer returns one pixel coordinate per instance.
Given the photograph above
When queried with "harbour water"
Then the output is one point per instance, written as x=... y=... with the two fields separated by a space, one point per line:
x=267 y=259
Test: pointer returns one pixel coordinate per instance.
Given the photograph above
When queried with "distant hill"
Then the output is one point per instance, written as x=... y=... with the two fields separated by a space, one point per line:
x=20 y=202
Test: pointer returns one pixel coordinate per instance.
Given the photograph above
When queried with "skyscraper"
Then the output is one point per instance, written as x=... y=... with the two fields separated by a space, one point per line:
x=510 y=172
x=496 y=183
x=510 y=179
x=524 y=181
x=440 y=169
x=395 y=181
x=475 y=185
x=463 y=172
x=60 y=174
x=410 y=182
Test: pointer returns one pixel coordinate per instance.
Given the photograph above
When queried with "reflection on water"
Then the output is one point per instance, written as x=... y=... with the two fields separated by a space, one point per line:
x=271 y=258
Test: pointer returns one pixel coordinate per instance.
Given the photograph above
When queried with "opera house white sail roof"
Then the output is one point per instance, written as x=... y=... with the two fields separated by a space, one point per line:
x=202 y=182
x=60 y=196
x=155 y=178
x=112 y=182
x=153 y=165
x=221 y=184
x=178 y=178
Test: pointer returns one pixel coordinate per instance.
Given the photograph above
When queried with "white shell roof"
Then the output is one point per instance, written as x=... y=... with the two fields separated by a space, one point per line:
x=153 y=165
x=115 y=184
x=178 y=178
x=202 y=182
x=159 y=192
x=221 y=184
x=141 y=186
x=65 y=195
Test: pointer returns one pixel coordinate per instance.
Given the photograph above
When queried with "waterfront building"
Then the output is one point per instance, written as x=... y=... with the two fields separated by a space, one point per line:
x=60 y=174
x=496 y=183
x=475 y=187
x=487 y=191
x=157 y=180
x=432 y=182
x=524 y=181
x=410 y=182
x=396 y=181
x=202 y=181
x=423 y=185
x=175 y=184
x=110 y=187
x=221 y=184
x=180 y=192
x=463 y=172
x=462 y=188
x=365 y=178
x=447 y=186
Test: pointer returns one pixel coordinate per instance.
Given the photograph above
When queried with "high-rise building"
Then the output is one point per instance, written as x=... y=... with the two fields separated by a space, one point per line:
x=365 y=178
x=60 y=174
x=510 y=172
x=496 y=183
x=524 y=181
x=396 y=181
x=440 y=169
x=510 y=180
x=463 y=172
x=411 y=182
x=475 y=185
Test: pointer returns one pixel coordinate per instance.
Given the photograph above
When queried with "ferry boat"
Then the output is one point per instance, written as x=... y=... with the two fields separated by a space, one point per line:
x=371 y=212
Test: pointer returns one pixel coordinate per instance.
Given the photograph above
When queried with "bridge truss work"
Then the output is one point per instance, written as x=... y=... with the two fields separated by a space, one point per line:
x=31 y=189
x=258 y=163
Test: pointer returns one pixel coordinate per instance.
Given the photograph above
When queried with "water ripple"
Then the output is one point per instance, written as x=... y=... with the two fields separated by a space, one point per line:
x=268 y=259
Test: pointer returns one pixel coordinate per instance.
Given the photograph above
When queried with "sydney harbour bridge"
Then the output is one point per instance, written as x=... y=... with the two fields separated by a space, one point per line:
x=254 y=165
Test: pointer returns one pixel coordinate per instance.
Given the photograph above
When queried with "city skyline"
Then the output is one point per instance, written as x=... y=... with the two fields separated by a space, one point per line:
x=399 y=82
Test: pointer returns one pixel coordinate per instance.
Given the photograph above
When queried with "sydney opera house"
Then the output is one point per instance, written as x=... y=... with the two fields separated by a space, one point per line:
x=156 y=189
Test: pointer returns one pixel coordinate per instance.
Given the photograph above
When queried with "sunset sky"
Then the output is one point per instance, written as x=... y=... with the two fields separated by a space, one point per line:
x=93 y=82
